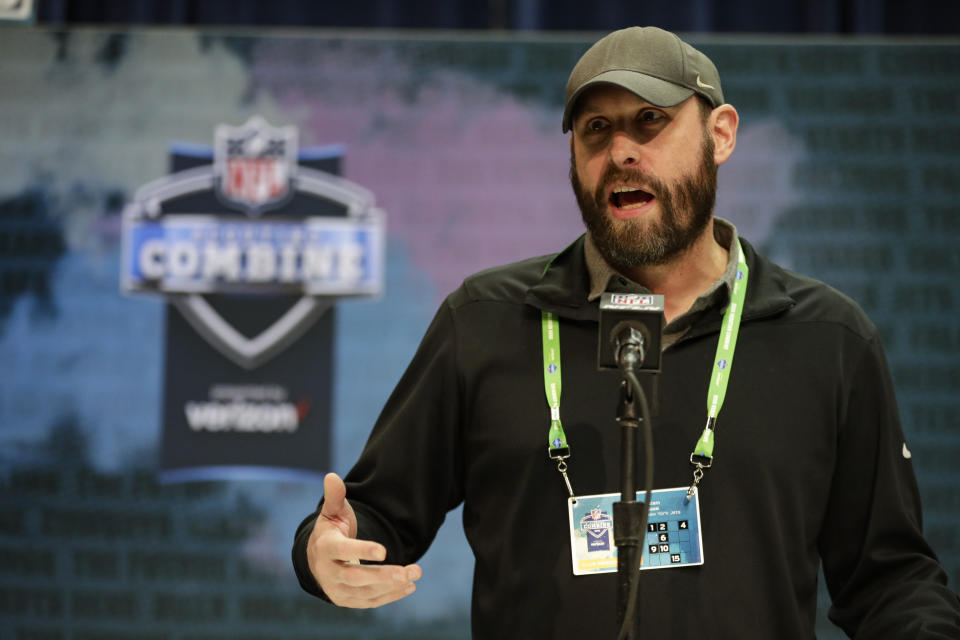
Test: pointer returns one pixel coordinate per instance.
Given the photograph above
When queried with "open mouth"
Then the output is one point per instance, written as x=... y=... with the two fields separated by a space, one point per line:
x=627 y=198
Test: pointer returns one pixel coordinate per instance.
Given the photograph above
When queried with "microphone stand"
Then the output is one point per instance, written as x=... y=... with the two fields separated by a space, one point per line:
x=630 y=330
x=630 y=516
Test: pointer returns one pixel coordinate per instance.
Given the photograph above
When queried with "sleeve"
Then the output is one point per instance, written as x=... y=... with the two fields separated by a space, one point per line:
x=410 y=472
x=884 y=579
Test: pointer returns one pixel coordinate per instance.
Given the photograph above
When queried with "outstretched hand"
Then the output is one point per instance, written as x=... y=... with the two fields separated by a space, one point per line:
x=334 y=555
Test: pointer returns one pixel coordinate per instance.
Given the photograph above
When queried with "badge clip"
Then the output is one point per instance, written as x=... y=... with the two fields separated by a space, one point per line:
x=560 y=454
x=700 y=463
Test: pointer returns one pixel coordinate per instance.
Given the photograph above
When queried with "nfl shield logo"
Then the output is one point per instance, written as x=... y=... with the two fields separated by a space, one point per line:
x=631 y=298
x=254 y=165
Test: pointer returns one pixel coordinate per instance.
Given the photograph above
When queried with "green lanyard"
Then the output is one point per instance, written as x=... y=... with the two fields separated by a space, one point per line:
x=557 y=447
x=702 y=457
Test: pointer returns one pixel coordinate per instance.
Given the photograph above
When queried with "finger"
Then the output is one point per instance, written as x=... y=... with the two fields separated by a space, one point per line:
x=414 y=572
x=391 y=596
x=375 y=594
x=372 y=596
x=344 y=549
x=383 y=577
x=334 y=495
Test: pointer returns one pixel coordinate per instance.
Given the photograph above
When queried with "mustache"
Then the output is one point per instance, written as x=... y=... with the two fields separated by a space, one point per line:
x=613 y=174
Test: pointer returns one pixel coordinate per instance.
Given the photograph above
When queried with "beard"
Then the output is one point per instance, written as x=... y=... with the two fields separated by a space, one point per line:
x=685 y=207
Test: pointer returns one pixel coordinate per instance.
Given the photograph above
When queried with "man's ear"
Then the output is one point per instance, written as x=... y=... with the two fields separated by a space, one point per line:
x=722 y=125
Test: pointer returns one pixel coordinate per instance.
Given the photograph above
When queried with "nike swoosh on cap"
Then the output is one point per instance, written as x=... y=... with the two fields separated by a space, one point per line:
x=703 y=85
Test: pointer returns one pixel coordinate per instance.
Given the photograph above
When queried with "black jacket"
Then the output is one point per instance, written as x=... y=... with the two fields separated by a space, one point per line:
x=808 y=465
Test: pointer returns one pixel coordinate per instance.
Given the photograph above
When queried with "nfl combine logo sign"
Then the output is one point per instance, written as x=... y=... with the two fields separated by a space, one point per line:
x=186 y=254
x=251 y=240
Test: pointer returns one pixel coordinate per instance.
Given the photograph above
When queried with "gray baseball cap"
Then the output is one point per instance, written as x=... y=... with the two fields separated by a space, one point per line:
x=654 y=64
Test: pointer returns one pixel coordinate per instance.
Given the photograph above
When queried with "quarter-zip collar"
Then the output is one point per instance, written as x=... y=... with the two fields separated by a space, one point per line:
x=565 y=284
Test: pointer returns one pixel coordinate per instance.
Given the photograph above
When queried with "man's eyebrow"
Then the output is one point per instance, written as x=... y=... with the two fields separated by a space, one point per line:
x=590 y=108
x=587 y=109
x=583 y=109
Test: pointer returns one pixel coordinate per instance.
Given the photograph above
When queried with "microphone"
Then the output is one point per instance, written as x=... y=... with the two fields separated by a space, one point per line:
x=631 y=327
x=630 y=341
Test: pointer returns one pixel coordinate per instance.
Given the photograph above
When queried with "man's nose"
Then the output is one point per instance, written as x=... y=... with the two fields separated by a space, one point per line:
x=624 y=150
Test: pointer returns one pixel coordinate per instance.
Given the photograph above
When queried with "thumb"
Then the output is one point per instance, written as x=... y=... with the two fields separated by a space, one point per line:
x=334 y=495
x=335 y=508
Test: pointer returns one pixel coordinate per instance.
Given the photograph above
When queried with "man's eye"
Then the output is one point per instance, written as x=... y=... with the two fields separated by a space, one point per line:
x=596 y=125
x=650 y=115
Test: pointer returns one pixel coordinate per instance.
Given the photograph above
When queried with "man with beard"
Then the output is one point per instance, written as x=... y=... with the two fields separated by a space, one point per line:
x=811 y=462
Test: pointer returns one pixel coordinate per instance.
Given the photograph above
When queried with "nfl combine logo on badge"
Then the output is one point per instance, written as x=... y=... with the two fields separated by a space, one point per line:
x=597 y=525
